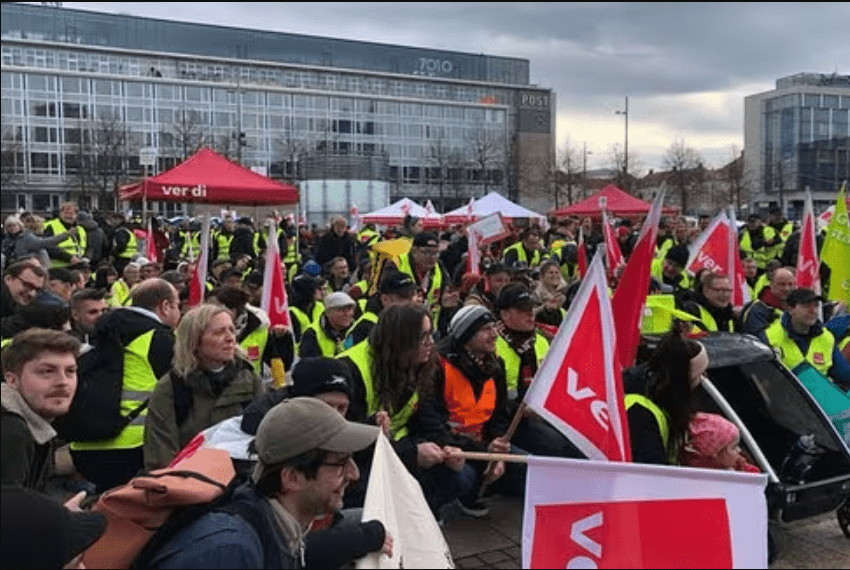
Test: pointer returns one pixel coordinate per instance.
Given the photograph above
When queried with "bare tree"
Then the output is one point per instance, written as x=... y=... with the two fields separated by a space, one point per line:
x=570 y=166
x=685 y=163
x=186 y=135
x=100 y=160
x=441 y=159
x=623 y=179
x=733 y=175
x=12 y=153
x=291 y=146
x=487 y=154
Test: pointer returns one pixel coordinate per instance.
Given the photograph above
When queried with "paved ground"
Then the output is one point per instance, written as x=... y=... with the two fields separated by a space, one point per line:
x=495 y=541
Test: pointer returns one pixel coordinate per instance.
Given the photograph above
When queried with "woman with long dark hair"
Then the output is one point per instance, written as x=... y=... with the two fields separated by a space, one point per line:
x=391 y=371
x=659 y=411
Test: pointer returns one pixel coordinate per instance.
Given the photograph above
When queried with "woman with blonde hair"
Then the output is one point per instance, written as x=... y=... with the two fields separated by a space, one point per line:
x=209 y=381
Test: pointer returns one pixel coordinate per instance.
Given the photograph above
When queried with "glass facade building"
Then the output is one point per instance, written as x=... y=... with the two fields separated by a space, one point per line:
x=91 y=101
x=797 y=137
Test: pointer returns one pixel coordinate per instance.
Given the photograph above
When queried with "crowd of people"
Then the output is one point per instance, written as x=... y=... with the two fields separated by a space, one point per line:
x=413 y=345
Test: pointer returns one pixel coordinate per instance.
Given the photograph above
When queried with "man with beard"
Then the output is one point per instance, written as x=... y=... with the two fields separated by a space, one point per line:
x=39 y=382
x=305 y=463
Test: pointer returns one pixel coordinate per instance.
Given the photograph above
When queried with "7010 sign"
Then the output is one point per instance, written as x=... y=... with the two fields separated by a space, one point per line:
x=431 y=65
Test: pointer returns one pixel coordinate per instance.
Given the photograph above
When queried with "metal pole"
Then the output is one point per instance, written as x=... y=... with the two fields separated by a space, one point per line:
x=625 y=113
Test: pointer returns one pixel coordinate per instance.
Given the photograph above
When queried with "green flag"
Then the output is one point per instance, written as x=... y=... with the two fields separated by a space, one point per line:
x=836 y=251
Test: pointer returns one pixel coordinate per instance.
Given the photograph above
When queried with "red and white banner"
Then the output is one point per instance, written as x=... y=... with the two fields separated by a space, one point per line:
x=631 y=515
x=198 y=284
x=613 y=255
x=710 y=250
x=630 y=296
x=274 y=301
x=581 y=254
x=740 y=290
x=150 y=244
x=356 y=218
x=716 y=250
x=808 y=265
x=578 y=386
x=473 y=257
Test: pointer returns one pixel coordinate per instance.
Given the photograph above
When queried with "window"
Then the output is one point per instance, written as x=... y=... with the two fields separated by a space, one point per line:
x=44 y=134
x=74 y=85
x=830 y=101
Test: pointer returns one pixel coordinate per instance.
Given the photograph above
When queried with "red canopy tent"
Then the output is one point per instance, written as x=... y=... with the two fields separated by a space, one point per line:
x=210 y=178
x=616 y=202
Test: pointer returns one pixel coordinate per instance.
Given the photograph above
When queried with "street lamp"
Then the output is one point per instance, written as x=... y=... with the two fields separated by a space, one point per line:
x=625 y=113
x=584 y=167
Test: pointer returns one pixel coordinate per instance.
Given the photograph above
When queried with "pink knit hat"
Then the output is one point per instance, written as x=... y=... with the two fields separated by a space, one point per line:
x=709 y=433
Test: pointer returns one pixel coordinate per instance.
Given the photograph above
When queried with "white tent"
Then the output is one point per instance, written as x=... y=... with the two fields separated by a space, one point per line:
x=490 y=204
x=394 y=214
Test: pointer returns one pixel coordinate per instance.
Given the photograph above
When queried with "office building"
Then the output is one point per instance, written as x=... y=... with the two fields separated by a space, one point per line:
x=92 y=100
x=797 y=137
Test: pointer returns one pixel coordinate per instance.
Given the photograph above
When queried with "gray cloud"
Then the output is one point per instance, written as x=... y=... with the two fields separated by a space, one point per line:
x=662 y=55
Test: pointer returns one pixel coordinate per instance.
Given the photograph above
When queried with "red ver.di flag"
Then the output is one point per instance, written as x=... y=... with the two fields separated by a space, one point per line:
x=631 y=515
x=578 y=387
x=808 y=265
x=274 y=301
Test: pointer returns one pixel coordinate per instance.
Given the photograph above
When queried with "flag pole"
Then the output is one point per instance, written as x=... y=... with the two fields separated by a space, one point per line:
x=484 y=456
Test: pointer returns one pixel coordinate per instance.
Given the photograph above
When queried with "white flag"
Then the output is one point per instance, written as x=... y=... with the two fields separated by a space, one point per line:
x=613 y=514
x=395 y=498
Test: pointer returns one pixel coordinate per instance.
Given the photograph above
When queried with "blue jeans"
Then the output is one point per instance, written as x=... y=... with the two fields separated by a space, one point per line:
x=441 y=485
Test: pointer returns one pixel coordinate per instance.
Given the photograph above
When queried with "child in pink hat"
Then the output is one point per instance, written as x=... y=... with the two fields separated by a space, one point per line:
x=713 y=443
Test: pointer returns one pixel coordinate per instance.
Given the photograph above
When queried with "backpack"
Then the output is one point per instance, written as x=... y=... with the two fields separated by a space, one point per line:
x=145 y=513
x=95 y=412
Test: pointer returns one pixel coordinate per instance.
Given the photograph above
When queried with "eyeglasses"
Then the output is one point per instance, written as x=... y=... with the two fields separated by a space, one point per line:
x=721 y=290
x=28 y=285
x=339 y=465
x=429 y=252
x=427 y=339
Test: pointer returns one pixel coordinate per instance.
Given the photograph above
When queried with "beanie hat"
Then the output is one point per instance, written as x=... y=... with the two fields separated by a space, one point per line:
x=709 y=433
x=468 y=321
x=679 y=255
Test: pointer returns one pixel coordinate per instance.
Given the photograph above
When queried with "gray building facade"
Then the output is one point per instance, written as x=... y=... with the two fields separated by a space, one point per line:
x=797 y=137
x=91 y=101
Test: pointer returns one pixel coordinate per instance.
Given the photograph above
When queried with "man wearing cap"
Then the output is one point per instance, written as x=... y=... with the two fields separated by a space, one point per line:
x=304 y=449
x=771 y=302
x=671 y=269
x=496 y=276
x=325 y=336
x=800 y=337
x=395 y=288
x=347 y=539
x=528 y=250
x=520 y=345
x=422 y=263
x=39 y=382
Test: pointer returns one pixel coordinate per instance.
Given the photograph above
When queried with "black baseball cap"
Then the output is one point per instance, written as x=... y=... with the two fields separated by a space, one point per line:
x=396 y=283
x=799 y=296
x=426 y=239
x=311 y=376
x=515 y=295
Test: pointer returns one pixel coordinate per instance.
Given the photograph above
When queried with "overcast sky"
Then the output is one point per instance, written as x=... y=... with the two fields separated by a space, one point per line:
x=686 y=67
